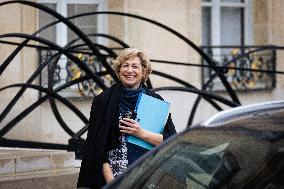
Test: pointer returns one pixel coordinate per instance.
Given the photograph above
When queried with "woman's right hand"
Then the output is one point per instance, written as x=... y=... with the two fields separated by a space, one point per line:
x=132 y=127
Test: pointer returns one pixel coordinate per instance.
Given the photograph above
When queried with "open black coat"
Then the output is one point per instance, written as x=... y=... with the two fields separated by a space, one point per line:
x=102 y=132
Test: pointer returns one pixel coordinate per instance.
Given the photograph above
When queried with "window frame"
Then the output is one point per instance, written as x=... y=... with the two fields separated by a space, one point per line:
x=216 y=6
x=213 y=46
x=61 y=8
x=61 y=39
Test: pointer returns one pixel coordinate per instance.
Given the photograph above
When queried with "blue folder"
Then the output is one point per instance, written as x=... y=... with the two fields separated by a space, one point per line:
x=152 y=114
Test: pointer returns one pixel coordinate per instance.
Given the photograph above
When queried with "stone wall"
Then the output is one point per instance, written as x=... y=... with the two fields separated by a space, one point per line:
x=184 y=16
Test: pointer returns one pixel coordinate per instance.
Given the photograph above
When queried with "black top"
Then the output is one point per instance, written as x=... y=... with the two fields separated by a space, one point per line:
x=103 y=134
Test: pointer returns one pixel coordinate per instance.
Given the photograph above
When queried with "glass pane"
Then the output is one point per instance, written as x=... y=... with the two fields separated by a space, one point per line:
x=231 y=26
x=88 y=24
x=206 y=33
x=206 y=26
x=45 y=19
x=188 y=166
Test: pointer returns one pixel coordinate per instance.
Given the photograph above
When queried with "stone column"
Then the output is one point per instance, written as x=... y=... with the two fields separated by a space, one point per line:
x=276 y=37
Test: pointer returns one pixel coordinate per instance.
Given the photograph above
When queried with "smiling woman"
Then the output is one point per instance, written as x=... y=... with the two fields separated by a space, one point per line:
x=133 y=67
x=112 y=119
x=131 y=73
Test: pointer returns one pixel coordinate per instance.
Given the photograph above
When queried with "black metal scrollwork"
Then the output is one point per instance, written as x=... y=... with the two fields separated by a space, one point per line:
x=88 y=70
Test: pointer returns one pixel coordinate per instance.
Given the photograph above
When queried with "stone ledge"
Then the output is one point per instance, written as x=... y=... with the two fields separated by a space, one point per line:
x=39 y=174
x=33 y=163
x=25 y=160
x=49 y=179
x=7 y=166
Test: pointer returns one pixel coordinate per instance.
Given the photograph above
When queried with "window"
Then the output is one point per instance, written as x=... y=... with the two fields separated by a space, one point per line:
x=226 y=36
x=226 y=22
x=65 y=70
x=69 y=8
x=182 y=165
x=187 y=167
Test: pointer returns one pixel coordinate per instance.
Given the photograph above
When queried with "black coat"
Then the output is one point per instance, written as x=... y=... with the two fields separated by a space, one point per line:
x=103 y=127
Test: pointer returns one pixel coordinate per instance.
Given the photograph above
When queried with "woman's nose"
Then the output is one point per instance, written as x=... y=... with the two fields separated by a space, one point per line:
x=129 y=69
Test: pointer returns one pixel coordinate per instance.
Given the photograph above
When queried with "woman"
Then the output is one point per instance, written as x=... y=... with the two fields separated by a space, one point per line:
x=107 y=152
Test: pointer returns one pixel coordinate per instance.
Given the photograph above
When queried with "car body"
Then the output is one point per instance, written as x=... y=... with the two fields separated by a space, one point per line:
x=241 y=147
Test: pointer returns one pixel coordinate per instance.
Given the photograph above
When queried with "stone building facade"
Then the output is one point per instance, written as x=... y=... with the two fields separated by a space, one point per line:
x=262 y=25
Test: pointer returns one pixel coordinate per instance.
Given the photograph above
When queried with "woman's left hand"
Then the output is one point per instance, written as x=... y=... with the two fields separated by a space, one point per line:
x=131 y=127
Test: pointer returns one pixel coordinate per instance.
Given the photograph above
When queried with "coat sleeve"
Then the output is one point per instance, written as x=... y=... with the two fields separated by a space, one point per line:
x=86 y=164
x=169 y=128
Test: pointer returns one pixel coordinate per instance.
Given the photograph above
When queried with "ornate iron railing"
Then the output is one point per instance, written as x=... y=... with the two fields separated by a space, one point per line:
x=65 y=71
x=88 y=69
x=246 y=67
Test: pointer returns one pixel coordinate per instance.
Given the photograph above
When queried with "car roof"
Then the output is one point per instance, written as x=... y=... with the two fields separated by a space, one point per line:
x=257 y=109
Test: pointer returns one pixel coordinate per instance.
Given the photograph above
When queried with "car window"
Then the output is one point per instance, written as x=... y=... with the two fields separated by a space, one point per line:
x=182 y=165
x=189 y=167
x=271 y=176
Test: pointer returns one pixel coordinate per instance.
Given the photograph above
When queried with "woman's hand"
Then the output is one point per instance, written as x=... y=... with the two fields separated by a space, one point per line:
x=132 y=127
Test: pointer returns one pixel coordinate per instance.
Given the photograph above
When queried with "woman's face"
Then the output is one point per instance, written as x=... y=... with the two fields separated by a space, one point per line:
x=131 y=73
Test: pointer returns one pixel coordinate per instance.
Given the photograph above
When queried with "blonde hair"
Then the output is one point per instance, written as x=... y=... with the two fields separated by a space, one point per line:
x=130 y=53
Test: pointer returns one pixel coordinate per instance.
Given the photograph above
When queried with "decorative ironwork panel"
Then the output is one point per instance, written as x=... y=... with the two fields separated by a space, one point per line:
x=62 y=78
x=62 y=70
x=246 y=68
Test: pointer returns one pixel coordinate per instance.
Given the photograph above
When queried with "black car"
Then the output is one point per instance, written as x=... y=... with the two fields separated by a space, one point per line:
x=239 y=148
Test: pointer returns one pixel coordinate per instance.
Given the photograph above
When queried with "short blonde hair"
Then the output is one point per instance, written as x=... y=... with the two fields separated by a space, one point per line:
x=130 y=53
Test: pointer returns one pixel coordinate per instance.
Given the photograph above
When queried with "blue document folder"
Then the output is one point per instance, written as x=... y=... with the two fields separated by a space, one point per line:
x=152 y=114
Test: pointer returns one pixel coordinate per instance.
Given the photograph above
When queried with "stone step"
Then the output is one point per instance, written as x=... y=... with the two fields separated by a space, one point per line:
x=65 y=178
x=26 y=160
x=34 y=169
